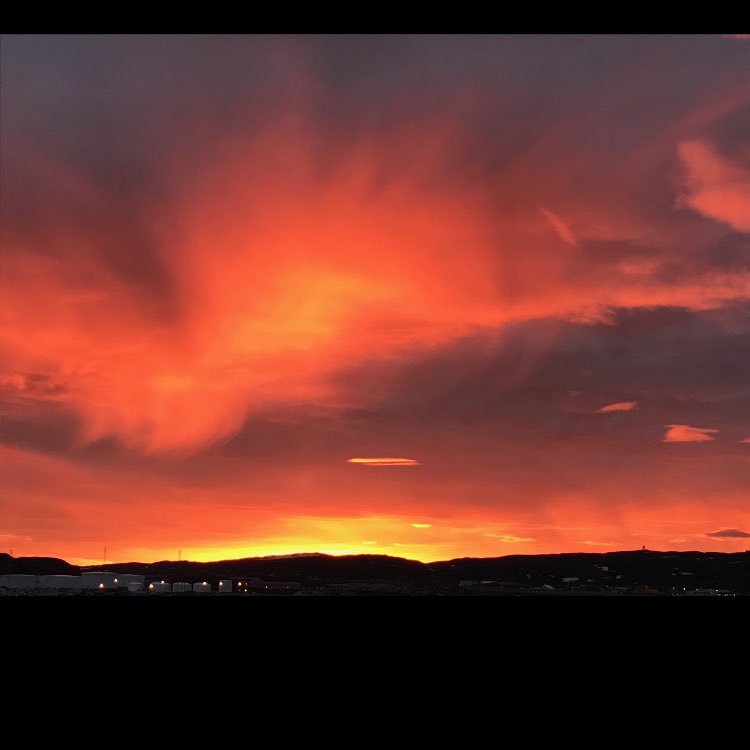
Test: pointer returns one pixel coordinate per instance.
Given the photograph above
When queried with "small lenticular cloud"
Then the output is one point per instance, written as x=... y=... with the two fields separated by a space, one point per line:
x=729 y=534
x=682 y=433
x=746 y=440
x=422 y=525
x=619 y=406
x=384 y=461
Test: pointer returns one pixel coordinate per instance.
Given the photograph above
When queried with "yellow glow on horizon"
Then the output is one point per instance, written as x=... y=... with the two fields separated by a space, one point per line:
x=445 y=538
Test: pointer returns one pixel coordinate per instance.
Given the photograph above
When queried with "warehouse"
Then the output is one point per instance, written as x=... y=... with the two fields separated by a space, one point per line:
x=99 y=580
x=18 y=581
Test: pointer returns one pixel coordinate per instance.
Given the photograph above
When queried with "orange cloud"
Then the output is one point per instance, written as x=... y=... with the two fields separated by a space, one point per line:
x=277 y=276
x=619 y=406
x=682 y=433
x=715 y=187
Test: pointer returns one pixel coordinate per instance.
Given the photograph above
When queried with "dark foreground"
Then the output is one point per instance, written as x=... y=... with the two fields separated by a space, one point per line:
x=577 y=575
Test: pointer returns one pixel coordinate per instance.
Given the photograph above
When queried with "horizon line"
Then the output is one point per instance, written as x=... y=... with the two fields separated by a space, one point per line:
x=365 y=554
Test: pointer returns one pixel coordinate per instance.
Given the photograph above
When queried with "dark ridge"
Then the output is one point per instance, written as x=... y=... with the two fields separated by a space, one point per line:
x=612 y=569
x=307 y=568
x=37 y=566
x=647 y=568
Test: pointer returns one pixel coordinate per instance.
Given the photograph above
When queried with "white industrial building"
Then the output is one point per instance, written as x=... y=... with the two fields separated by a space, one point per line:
x=92 y=581
x=39 y=583
x=99 y=580
x=19 y=581
x=59 y=582
x=130 y=581
x=105 y=581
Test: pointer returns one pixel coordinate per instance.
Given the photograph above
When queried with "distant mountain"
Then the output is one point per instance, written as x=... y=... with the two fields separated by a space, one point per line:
x=304 y=568
x=641 y=568
x=37 y=566
x=614 y=569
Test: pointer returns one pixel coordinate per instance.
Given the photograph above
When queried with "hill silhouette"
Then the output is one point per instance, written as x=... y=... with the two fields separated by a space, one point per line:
x=38 y=566
x=619 y=569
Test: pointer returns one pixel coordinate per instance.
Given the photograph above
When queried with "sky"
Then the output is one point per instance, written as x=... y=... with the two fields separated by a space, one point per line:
x=425 y=296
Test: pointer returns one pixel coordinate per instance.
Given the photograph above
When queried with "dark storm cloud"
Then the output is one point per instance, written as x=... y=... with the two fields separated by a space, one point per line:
x=555 y=373
x=125 y=97
x=114 y=105
x=91 y=126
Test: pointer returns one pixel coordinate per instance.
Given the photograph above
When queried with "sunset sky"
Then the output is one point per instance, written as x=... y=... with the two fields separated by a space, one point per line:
x=432 y=296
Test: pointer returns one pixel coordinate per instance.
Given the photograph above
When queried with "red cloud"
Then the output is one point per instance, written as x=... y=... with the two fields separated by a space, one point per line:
x=715 y=187
x=562 y=230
